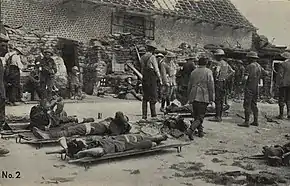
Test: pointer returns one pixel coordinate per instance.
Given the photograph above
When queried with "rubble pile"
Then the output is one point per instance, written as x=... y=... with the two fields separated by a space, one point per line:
x=185 y=50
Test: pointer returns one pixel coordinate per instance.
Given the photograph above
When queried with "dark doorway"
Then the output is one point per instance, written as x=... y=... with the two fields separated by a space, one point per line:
x=68 y=53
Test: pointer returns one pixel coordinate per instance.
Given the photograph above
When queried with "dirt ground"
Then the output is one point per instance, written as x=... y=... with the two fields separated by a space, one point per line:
x=37 y=168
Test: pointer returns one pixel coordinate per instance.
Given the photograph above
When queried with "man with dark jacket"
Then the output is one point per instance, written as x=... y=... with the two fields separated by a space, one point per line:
x=283 y=81
x=222 y=71
x=183 y=79
x=200 y=94
x=151 y=75
x=253 y=75
x=48 y=70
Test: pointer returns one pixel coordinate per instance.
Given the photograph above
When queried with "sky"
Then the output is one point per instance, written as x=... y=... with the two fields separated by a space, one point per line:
x=271 y=17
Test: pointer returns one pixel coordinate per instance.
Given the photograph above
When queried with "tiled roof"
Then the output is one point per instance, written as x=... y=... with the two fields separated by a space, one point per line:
x=212 y=11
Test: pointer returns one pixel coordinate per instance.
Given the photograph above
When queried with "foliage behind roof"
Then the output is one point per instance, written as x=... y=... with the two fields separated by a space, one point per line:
x=212 y=11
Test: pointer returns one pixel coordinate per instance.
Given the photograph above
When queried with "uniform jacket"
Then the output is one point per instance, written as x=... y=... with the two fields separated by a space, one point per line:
x=222 y=71
x=168 y=73
x=149 y=61
x=283 y=79
x=254 y=71
x=15 y=60
x=201 y=86
x=48 y=66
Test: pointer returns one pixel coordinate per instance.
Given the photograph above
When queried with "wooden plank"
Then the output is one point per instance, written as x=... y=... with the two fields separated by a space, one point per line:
x=127 y=153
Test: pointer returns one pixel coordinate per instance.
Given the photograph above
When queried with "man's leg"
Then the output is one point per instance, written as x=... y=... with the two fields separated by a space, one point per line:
x=287 y=100
x=247 y=109
x=49 y=87
x=220 y=92
x=43 y=87
x=255 y=109
x=153 y=109
x=14 y=92
x=144 y=109
x=72 y=91
x=281 y=102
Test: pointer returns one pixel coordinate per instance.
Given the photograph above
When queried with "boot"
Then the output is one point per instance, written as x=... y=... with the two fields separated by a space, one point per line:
x=218 y=117
x=153 y=110
x=247 y=119
x=190 y=134
x=281 y=112
x=200 y=132
x=144 y=110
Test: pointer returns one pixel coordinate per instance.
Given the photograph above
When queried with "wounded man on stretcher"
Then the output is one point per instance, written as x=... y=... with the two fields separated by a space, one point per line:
x=98 y=146
x=110 y=126
x=173 y=108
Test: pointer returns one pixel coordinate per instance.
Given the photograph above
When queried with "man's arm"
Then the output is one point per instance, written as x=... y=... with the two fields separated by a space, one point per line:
x=210 y=86
x=231 y=71
x=190 y=82
x=163 y=74
x=54 y=67
x=155 y=66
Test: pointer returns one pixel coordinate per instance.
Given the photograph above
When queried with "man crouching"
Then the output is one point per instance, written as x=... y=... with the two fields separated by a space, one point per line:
x=200 y=94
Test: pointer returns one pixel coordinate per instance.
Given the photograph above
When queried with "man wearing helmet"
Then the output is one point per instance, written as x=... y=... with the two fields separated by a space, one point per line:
x=222 y=71
x=253 y=74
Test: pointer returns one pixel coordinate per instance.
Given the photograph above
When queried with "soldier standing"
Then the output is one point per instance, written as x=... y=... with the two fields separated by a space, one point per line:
x=253 y=74
x=47 y=71
x=151 y=75
x=239 y=75
x=13 y=65
x=222 y=71
x=167 y=70
x=283 y=81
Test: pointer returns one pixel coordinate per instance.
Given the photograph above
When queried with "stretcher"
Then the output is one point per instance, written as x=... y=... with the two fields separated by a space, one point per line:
x=38 y=142
x=88 y=160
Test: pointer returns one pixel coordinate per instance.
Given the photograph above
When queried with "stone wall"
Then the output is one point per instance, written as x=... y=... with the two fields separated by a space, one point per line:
x=74 y=20
x=170 y=33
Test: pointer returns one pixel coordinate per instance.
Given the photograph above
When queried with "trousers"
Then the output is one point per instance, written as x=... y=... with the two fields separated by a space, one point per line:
x=220 y=93
x=198 y=113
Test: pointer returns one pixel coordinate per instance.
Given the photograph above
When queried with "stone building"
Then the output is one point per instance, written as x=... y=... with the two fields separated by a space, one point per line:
x=69 y=25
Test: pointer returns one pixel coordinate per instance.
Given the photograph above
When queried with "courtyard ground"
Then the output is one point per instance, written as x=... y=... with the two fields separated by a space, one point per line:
x=37 y=168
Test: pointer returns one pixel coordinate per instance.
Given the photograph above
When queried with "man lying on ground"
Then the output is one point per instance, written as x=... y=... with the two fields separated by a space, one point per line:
x=110 y=126
x=99 y=146
x=173 y=108
x=49 y=114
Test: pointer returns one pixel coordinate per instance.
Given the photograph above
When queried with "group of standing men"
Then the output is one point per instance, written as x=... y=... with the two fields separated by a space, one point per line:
x=205 y=84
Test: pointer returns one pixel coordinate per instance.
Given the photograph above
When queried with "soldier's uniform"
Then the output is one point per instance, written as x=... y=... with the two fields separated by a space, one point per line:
x=151 y=75
x=254 y=72
x=283 y=81
x=184 y=74
x=168 y=72
x=221 y=71
x=47 y=72
x=33 y=83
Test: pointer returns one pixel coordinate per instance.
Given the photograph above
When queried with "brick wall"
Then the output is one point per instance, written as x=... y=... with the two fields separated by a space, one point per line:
x=71 y=20
x=171 y=33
